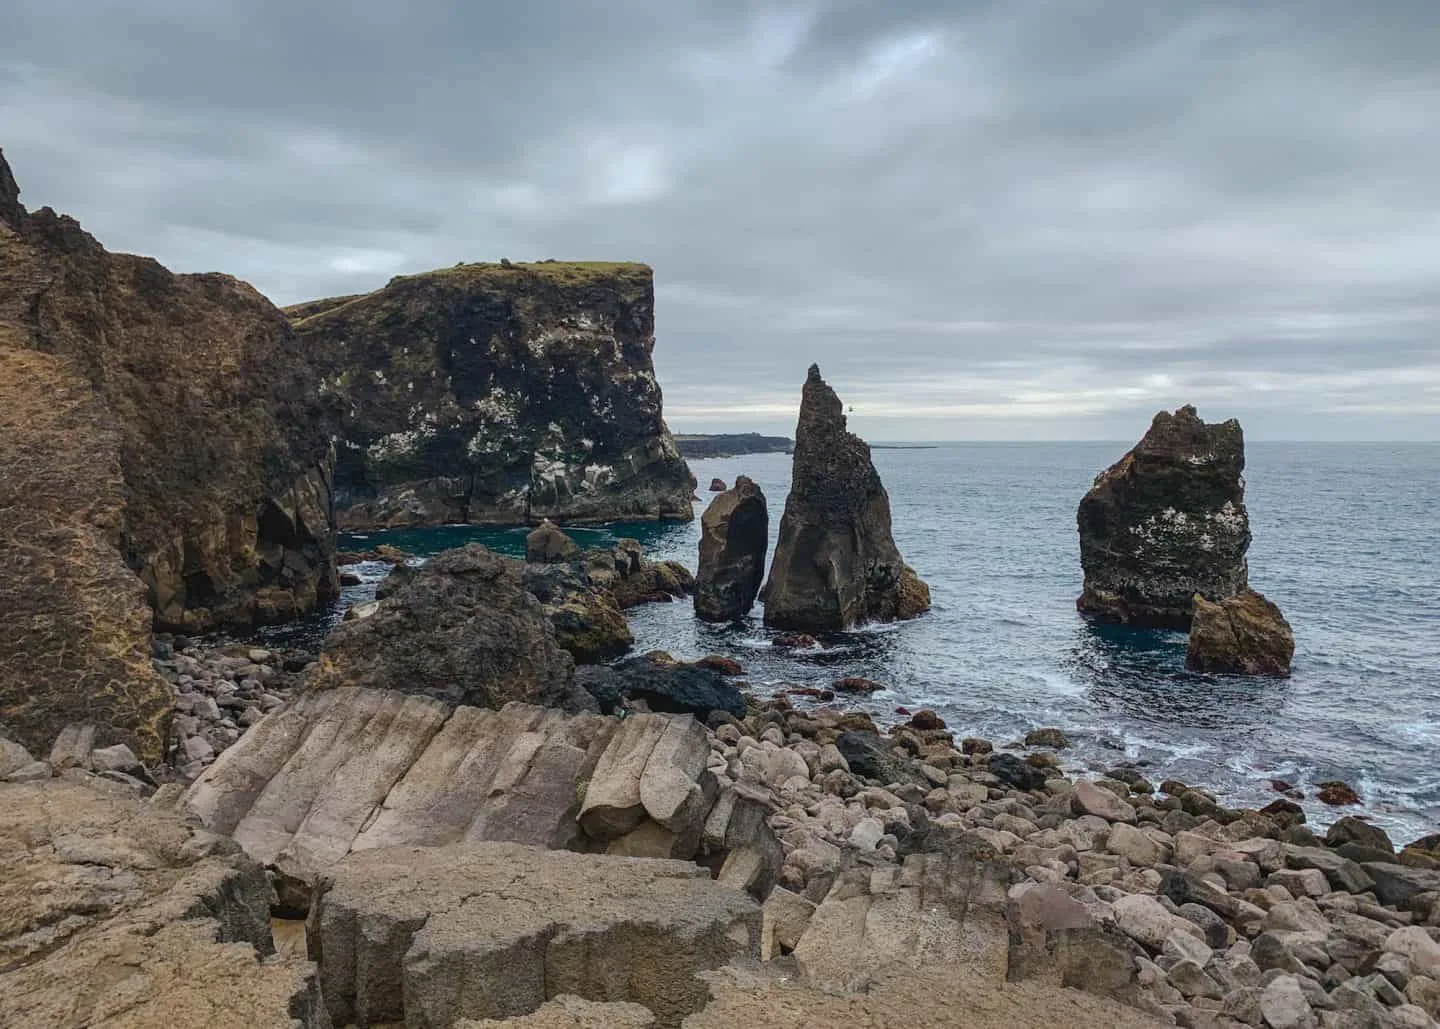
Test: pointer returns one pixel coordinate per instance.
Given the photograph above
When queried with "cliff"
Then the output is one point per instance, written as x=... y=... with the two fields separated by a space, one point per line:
x=495 y=393
x=158 y=451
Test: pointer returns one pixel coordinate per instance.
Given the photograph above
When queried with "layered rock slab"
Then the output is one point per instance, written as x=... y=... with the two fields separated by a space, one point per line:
x=1245 y=634
x=116 y=915
x=734 y=536
x=836 y=564
x=1165 y=522
x=428 y=936
x=497 y=393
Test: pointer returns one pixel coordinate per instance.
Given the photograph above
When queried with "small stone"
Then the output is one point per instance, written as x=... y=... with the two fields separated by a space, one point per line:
x=35 y=771
x=198 y=748
x=972 y=747
x=118 y=758
x=856 y=684
x=1190 y=979
x=1283 y=1005
x=259 y=657
x=1337 y=794
x=1053 y=738
x=926 y=720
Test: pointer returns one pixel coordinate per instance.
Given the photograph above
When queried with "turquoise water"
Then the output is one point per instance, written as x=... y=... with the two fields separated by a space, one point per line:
x=1347 y=542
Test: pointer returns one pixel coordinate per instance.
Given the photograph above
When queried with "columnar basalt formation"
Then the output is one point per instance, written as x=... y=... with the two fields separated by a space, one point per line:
x=1243 y=635
x=159 y=452
x=497 y=393
x=1166 y=522
x=734 y=535
x=836 y=564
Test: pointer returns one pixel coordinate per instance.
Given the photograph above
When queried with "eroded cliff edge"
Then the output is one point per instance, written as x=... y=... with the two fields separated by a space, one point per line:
x=497 y=393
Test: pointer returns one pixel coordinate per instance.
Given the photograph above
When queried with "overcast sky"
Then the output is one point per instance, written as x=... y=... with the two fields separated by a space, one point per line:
x=1023 y=219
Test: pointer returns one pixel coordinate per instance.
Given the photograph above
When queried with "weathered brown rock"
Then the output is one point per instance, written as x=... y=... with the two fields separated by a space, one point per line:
x=1165 y=522
x=734 y=536
x=159 y=452
x=115 y=914
x=717 y=485
x=1244 y=635
x=835 y=563
x=546 y=543
x=427 y=936
x=497 y=393
x=461 y=628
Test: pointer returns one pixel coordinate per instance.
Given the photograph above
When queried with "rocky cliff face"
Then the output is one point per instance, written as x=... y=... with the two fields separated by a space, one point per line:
x=497 y=393
x=1165 y=522
x=836 y=564
x=158 y=451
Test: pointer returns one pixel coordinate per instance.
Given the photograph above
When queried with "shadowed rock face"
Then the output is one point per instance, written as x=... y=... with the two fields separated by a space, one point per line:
x=1244 y=635
x=159 y=450
x=497 y=394
x=836 y=564
x=734 y=535
x=1165 y=522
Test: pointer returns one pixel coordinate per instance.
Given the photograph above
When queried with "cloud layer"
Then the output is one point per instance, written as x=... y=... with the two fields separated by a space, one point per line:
x=1028 y=219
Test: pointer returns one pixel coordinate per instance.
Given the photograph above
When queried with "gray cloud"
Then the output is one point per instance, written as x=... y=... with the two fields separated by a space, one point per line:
x=1036 y=218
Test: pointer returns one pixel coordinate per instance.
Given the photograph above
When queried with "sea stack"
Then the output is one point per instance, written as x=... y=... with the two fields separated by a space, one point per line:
x=1166 y=522
x=836 y=564
x=1241 y=635
x=734 y=535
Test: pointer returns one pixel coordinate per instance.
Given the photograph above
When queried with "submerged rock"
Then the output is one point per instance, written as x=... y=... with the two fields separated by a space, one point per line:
x=494 y=393
x=734 y=535
x=1165 y=522
x=1244 y=635
x=836 y=564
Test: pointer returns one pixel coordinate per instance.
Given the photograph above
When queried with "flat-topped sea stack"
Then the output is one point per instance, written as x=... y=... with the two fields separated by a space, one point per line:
x=836 y=564
x=497 y=393
x=1166 y=522
x=734 y=535
x=161 y=462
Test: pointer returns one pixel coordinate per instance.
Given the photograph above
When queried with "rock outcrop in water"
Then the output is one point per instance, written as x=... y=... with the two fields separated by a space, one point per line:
x=497 y=393
x=161 y=459
x=734 y=535
x=1166 y=522
x=1244 y=635
x=836 y=564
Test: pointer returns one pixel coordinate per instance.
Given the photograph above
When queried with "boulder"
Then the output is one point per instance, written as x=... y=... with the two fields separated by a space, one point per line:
x=734 y=536
x=429 y=936
x=1355 y=830
x=1088 y=799
x=653 y=769
x=870 y=755
x=546 y=543
x=1020 y=774
x=1241 y=635
x=117 y=913
x=461 y=628
x=1165 y=522
x=718 y=485
x=836 y=564
x=492 y=393
x=664 y=684
x=588 y=623
x=650 y=581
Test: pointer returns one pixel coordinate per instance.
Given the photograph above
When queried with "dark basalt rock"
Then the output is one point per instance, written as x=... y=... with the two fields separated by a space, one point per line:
x=1165 y=522
x=546 y=543
x=587 y=621
x=1243 y=635
x=1012 y=771
x=462 y=628
x=717 y=485
x=836 y=564
x=497 y=394
x=664 y=684
x=734 y=536
x=162 y=463
x=869 y=755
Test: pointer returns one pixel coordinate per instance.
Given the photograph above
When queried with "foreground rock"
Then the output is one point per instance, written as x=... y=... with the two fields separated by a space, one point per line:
x=116 y=914
x=1244 y=635
x=427 y=936
x=497 y=393
x=159 y=459
x=461 y=628
x=734 y=535
x=1165 y=522
x=836 y=564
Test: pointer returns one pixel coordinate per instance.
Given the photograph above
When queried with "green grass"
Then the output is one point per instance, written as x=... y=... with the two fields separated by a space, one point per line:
x=565 y=273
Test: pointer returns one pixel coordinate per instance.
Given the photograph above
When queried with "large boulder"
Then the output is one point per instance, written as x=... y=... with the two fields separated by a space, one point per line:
x=430 y=936
x=1243 y=635
x=664 y=684
x=461 y=628
x=161 y=459
x=1165 y=522
x=116 y=913
x=835 y=563
x=496 y=393
x=734 y=535
x=547 y=543
x=588 y=622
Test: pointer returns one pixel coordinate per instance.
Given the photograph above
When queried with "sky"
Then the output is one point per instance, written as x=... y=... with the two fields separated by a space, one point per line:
x=1031 y=219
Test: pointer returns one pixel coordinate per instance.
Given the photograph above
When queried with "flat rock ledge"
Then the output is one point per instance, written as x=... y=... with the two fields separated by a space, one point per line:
x=428 y=936
x=116 y=915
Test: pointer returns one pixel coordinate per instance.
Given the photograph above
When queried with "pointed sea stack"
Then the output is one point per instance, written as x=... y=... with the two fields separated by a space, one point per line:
x=1166 y=522
x=734 y=535
x=836 y=564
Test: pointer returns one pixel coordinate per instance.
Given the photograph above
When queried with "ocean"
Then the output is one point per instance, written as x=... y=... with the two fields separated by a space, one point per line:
x=1346 y=541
